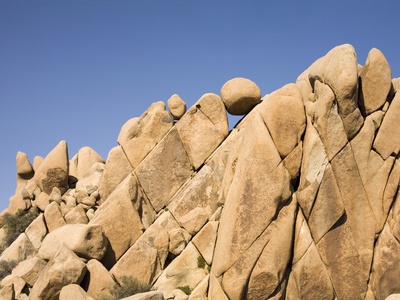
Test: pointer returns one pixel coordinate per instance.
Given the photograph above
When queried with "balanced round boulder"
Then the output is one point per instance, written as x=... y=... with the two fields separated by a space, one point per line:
x=240 y=95
x=176 y=106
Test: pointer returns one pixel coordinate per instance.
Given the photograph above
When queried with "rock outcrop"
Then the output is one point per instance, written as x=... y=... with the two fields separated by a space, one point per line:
x=299 y=200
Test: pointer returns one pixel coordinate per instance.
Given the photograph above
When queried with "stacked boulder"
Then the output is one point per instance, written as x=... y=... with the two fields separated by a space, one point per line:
x=297 y=201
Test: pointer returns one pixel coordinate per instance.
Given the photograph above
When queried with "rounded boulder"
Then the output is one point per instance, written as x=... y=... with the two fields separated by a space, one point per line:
x=176 y=106
x=240 y=95
x=86 y=241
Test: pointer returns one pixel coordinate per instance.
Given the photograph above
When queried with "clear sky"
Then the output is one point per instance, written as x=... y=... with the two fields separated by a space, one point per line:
x=78 y=70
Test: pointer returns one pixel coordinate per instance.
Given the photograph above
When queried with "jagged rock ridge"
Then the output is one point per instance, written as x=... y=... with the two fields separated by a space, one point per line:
x=298 y=201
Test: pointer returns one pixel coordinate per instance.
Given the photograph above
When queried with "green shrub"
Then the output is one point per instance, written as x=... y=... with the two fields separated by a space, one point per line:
x=6 y=267
x=201 y=263
x=129 y=286
x=20 y=221
x=16 y=224
x=186 y=289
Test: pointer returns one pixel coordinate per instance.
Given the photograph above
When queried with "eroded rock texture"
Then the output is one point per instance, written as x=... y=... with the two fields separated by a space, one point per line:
x=298 y=201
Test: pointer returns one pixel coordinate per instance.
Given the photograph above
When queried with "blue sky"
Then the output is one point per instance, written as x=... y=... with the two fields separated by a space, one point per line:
x=77 y=70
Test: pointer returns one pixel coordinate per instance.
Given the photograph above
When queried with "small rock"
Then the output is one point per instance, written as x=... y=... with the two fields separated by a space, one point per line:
x=70 y=201
x=95 y=194
x=36 y=231
x=73 y=291
x=178 y=239
x=77 y=215
x=29 y=269
x=24 y=167
x=37 y=161
x=15 y=282
x=90 y=214
x=42 y=201
x=88 y=202
x=176 y=106
x=55 y=195
x=98 y=282
x=53 y=216
x=83 y=161
x=153 y=295
x=179 y=295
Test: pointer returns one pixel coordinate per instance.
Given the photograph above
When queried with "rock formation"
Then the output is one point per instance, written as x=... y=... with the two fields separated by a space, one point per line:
x=298 y=201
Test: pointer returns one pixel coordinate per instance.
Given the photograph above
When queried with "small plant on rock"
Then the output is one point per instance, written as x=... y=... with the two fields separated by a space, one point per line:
x=15 y=224
x=201 y=263
x=129 y=286
x=18 y=222
x=186 y=289
x=6 y=267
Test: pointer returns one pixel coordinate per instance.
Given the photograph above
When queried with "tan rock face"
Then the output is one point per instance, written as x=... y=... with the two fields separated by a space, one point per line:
x=270 y=271
x=387 y=140
x=245 y=273
x=384 y=270
x=24 y=167
x=197 y=201
x=119 y=220
x=19 y=250
x=300 y=200
x=54 y=170
x=139 y=136
x=36 y=231
x=181 y=272
x=251 y=202
x=42 y=201
x=205 y=240
x=327 y=120
x=309 y=278
x=91 y=180
x=150 y=251
x=339 y=70
x=83 y=161
x=53 y=217
x=86 y=241
x=203 y=128
x=178 y=239
x=37 y=161
x=176 y=106
x=396 y=84
x=153 y=295
x=76 y=216
x=7 y=292
x=29 y=269
x=168 y=166
x=283 y=113
x=73 y=291
x=16 y=283
x=376 y=78
x=63 y=268
x=97 y=282
x=116 y=169
x=240 y=95
x=215 y=290
x=20 y=201
x=201 y=290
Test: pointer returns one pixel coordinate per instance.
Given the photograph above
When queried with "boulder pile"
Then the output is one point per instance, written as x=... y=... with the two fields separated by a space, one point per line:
x=298 y=201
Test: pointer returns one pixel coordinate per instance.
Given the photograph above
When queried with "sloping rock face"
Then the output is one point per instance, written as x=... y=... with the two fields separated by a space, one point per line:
x=298 y=201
